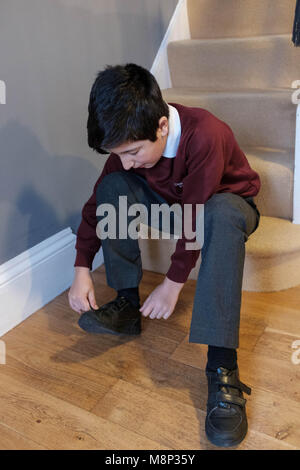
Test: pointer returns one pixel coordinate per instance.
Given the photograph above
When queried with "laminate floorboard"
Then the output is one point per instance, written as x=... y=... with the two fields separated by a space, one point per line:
x=62 y=388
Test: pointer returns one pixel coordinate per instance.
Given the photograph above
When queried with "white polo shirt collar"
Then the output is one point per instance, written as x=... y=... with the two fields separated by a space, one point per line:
x=174 y=134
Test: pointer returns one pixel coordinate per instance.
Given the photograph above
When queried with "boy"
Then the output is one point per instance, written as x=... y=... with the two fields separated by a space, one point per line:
x=169 y=153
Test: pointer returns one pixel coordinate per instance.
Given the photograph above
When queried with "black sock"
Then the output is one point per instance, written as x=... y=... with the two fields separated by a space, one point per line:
x=132 y=294
x=221 y=357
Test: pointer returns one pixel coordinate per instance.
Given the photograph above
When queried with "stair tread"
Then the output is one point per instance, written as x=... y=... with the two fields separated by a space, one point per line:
x=284 y=157
x=274 y=236
x=226 y=39
x=190 y=91
x=229 y=62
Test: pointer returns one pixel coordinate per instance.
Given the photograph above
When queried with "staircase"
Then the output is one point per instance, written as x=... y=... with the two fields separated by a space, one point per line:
x=239 y=64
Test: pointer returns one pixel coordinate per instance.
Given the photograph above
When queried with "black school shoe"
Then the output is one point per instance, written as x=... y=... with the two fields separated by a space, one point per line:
x=226 y=421
x=117 y=317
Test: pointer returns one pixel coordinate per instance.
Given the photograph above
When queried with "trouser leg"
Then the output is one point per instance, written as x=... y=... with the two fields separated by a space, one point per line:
x=122 y=257
x=228 y=222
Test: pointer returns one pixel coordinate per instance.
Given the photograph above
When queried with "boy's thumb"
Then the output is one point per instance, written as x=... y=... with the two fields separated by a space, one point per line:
x=92 y=300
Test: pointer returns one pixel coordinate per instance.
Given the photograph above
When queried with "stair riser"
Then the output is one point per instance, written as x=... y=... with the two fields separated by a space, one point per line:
x=252 y=63
x=236 y=18
x=264 y=119
x=270 y=274
x=274 y=177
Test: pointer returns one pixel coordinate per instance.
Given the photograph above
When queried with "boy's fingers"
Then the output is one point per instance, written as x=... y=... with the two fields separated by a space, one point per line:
x=84 y=308
x=155 y=312
x=78 y=309
x=143 y=307
x=92 y=300
x=74 y=306
x=159 y=315
x=78 y=306
x=147 y=311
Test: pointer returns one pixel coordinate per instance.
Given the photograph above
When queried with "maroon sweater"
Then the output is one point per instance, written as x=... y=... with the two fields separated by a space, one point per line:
x=208 y=161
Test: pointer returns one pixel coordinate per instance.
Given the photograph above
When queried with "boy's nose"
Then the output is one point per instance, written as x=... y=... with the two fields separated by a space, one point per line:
x=128 y=165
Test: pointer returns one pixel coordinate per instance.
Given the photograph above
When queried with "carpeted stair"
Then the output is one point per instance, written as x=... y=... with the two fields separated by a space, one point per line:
x=240 y=64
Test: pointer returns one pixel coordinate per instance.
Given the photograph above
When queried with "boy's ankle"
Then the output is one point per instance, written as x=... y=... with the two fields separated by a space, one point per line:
x=131 y=294
x=221 y=357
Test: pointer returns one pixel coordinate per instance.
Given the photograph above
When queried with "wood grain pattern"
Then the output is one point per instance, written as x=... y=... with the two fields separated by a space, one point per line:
x=62 y=388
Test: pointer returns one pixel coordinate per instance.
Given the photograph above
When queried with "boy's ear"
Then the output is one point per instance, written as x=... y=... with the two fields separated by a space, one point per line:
x=164 y=126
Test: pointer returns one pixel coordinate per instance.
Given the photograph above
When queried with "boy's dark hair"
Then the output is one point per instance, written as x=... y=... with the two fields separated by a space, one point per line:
x=125 y=105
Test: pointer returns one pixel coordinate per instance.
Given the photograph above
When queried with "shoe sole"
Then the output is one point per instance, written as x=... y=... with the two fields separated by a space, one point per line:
x=89 y=324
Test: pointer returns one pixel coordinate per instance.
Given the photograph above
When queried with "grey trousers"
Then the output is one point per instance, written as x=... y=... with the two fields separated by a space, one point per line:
x=229 y=220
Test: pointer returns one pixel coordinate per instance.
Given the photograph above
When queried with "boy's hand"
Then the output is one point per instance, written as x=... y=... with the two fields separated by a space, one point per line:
x=81 y=294
x=162 y=300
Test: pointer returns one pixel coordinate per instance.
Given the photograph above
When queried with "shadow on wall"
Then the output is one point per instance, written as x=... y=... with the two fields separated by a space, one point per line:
x=50 y=54
x=33 y=185
x=53 y=50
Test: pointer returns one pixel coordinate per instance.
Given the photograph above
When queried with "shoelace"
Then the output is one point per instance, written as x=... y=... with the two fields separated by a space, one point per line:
x=112 y=307
x=117 y=303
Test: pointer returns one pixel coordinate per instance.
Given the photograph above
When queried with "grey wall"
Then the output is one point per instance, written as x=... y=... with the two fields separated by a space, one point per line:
x=50 y=52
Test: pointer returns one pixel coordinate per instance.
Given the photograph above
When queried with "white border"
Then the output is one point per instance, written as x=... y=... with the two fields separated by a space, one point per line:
x=2 y=92
x=296 y=201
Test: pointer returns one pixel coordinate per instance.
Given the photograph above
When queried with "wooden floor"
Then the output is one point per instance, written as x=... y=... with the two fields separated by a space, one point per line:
x=62 y=388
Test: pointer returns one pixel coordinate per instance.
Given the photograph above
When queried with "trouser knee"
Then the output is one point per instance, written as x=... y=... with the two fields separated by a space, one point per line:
x=111 y=186
x=224 y=215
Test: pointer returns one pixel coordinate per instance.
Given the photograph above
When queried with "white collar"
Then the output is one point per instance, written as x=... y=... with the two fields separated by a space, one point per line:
x=174 y=133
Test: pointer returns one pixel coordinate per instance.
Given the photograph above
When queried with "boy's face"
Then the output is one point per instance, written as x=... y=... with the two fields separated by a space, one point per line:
x=143 y=153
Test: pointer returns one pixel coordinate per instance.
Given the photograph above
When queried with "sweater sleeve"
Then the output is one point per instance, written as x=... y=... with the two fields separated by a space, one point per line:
x=205 y=166
x=87 y=241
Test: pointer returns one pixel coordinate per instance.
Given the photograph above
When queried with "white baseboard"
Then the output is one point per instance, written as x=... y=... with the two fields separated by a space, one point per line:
x=35 y=277
x=178 y=30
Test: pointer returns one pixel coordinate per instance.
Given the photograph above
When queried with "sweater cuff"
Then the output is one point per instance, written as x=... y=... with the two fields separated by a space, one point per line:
x=176 y=275
x=84 y=259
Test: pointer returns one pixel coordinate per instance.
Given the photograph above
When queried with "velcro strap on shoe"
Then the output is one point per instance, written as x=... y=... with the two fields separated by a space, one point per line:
x=245 y=389
x=228 y=398
x=230 y=381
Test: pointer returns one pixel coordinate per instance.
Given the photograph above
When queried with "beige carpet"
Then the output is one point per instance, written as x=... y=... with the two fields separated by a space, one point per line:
x=240 y=64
